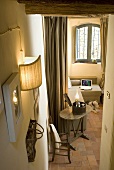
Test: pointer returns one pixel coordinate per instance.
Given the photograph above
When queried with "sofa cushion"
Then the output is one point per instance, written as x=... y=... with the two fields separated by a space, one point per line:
x=76 y=82
x=93 y=78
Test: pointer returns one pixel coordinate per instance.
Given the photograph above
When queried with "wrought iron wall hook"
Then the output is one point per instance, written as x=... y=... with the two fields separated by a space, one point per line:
x=31 y=138
x=41 y=127
x=39 y=132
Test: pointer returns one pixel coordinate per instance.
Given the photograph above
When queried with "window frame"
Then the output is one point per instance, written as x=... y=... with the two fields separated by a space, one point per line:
x=88 y=60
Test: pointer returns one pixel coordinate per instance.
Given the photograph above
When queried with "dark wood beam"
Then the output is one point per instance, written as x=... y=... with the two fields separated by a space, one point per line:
x=109 y=2
x=68 y=7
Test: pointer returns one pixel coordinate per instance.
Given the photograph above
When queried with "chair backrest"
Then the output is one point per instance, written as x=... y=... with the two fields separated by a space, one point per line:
x=67 y=99
x=55 y=135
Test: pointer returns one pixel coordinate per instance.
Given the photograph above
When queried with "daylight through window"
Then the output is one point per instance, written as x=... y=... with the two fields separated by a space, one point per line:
x=88 y=43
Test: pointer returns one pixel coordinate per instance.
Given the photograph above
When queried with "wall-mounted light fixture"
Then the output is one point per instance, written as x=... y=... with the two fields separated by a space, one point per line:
x=31 y=79
x=30 y=75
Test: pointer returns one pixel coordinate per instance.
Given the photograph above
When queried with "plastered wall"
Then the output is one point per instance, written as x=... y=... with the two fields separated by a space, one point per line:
x=107 y=138
x=13 y=155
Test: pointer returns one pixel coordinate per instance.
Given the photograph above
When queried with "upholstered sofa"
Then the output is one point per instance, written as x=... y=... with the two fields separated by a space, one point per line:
x=88 y=95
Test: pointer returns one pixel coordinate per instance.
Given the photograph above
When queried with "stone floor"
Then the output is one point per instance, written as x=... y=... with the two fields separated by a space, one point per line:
x=87 y=155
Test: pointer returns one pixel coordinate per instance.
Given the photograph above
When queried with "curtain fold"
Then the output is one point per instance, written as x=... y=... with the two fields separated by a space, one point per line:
x=55 y=43
x=103 y=33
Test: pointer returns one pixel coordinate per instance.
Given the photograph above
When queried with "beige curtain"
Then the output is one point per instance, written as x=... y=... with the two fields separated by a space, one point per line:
x=104 y=30
x=55 y=30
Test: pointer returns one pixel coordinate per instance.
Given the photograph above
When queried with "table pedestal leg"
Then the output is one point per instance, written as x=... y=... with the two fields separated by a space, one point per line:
x=82 y=130
x=84 y=136
x=71 y=147
x=80 y=134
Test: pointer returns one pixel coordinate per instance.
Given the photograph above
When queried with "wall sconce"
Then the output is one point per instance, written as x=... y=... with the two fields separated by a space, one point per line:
x=31 y=79
x=30 y=75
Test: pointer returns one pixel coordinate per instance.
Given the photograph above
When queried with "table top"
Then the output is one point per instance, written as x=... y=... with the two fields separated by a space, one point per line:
x=68 y=115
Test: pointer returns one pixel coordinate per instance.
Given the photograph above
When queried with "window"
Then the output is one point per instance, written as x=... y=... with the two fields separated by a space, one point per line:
x=88 y=43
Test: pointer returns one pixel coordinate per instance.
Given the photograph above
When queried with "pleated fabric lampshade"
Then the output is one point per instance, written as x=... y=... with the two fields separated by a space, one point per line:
x=30 y=75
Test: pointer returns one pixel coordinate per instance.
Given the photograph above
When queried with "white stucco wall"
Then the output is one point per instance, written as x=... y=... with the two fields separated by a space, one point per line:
x=80 y=69
x=13 y=155
x=36 y=40
x=107 y=138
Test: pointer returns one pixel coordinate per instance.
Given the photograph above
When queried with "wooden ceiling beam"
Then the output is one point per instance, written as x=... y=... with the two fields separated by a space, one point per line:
x=108 y=2
x=68 y=7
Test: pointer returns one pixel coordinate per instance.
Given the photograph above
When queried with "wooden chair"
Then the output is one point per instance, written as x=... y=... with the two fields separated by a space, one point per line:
x=67 y=99
x=60 y=145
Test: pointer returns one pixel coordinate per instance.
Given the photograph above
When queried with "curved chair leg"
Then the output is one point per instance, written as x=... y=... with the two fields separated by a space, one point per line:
x=53 y=154
x=69 y=155
x=53 y=157
x=69 y=159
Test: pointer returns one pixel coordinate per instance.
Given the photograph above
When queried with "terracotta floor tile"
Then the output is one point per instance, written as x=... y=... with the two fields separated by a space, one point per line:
x=84 y=158
x=87 y=152
x=77 y=168
x=85 y=168
x=87 y=155
x=78 y=158
x=76 y=153
x=97 y=155
x=92 y=160
x=94 y=167
x=67 y=168
x=87 y=143
x=85 y=163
